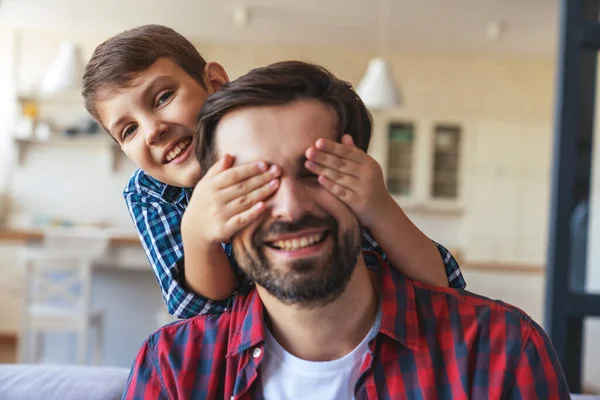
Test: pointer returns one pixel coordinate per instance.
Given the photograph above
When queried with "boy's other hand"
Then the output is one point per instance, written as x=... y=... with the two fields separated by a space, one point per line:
x=351 y=175
x=228 y=199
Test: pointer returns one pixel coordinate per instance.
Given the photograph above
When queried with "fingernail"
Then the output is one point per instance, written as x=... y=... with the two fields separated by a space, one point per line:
x=262 y=166
x=273 y=183
x=274 y=170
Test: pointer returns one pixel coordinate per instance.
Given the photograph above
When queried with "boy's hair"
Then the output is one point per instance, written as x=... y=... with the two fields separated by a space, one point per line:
x=120 y=59
x=278 y=84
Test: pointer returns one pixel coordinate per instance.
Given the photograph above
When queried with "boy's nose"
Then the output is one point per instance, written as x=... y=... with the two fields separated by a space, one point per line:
x=154 y=131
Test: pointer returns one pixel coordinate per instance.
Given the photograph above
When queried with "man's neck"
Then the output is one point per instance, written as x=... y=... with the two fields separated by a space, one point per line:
x=329 y=332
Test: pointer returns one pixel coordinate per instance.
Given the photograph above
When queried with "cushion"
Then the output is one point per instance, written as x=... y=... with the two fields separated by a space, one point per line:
x=61 y=382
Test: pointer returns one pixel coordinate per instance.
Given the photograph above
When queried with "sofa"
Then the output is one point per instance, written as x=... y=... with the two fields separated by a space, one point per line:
x=61 y=382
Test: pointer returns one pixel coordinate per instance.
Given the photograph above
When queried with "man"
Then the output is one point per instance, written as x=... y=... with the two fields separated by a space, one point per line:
x=325 y=320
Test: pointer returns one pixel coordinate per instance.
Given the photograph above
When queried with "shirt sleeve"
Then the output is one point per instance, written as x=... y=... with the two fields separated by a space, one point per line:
x=538 y=373
x=453 y=272
x=159 y=227
x=144 y=380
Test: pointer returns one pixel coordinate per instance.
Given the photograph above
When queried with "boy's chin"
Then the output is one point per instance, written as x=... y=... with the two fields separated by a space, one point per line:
x=183 y=176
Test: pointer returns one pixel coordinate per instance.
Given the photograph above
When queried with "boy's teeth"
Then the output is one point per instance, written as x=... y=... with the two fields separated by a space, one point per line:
x=178 y=149
x=295 y=244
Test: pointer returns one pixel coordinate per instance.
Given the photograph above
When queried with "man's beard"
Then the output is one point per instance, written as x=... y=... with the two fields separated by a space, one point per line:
x=311 y=282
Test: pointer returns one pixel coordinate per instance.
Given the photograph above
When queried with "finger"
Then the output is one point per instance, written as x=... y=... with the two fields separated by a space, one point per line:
x=219 y=166
x=246 y=186
x=347 y=140
x=248 y=200
x=239 y=173
x=348 y=151
x=245 y=218
x=334 y=162
x=343 y=193
x=345 y=180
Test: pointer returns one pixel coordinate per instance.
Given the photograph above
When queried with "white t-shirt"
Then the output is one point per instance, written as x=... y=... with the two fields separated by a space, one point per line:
x=285 y=376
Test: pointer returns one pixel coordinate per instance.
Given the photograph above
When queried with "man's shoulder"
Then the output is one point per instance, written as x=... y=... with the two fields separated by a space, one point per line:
x=202 y=333
x=473 y=309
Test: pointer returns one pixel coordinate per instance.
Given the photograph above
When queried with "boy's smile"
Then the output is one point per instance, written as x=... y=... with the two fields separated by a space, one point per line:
x=154 y=119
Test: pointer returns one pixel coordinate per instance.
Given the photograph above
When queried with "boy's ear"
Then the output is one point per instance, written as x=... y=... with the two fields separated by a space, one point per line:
x=215 y=76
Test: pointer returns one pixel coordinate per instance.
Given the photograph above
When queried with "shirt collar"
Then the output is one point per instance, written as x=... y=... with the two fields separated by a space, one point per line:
x=396 y=318
x=174 y=194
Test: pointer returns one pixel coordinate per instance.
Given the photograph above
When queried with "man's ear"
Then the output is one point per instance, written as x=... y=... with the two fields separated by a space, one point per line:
x=214 y=76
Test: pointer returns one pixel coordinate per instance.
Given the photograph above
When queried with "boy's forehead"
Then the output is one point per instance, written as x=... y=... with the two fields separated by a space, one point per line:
x=113 y=101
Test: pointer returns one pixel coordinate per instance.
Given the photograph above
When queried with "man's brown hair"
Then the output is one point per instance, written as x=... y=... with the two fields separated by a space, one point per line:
x=120 y=59
x=278 y=84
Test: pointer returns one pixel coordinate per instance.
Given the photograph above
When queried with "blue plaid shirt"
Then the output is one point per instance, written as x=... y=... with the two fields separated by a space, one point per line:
x=157 y=208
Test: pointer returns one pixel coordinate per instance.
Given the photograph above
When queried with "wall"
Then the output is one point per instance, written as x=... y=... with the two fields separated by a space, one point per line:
x=503 y=103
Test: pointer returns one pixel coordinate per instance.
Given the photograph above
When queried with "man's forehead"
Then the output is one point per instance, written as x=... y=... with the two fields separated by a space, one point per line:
x=275 y=134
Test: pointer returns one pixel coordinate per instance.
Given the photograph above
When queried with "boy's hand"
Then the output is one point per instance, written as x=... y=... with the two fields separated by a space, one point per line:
x=228 y=199
x=351 y=175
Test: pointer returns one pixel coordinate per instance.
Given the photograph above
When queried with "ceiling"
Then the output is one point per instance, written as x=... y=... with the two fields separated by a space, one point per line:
x=412 y=25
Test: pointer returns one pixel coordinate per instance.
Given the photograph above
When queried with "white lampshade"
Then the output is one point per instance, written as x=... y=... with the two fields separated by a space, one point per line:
x=377 y=89
x=65 y=72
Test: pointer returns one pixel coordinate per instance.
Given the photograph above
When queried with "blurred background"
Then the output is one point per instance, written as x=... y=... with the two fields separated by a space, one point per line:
x=465 y=141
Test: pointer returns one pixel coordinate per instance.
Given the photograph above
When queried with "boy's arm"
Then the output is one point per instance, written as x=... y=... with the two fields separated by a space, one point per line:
x=357 y=179
x=158 y=225
x=409 y=248
x=216 y=279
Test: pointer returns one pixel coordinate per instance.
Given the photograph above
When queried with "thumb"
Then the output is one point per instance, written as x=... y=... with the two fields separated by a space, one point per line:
x=223 y=164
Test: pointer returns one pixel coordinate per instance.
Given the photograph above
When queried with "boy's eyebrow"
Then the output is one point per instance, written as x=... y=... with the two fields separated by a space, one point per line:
x=159 y=80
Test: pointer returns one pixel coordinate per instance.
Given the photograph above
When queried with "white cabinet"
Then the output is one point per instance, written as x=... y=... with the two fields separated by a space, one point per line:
x=422 y=160
x=12 y=288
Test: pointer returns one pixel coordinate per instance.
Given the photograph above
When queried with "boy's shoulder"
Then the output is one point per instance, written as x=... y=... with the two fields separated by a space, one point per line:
x=142 y=184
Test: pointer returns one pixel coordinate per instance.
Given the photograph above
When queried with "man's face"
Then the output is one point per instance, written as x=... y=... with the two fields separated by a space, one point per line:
x=154 y=119
x=304 y=248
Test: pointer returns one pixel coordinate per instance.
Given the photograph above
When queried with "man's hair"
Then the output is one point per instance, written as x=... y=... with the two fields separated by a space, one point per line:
x=119 y=60
x=278 y=84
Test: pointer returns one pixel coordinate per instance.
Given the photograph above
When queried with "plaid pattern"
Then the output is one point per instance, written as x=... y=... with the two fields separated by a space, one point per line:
x=157 y=209
x=428 y=343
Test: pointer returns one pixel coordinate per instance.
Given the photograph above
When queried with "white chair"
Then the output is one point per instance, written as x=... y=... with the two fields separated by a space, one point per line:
x=58 y=296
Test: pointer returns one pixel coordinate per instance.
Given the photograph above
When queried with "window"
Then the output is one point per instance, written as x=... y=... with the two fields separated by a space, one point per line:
x=446 y=155
x=400 y=159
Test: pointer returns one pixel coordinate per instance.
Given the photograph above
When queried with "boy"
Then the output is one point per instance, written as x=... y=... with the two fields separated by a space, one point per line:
x=146 y=87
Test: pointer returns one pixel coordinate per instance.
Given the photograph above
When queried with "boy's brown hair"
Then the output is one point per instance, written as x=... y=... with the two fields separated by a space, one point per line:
x=120 y=59
x=278 y=84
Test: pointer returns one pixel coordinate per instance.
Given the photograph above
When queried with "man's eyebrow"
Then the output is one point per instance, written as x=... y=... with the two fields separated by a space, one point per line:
x=151 y=87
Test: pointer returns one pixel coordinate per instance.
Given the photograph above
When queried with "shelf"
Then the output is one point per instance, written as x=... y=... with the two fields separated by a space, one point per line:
x=87 y=141
x=73 y=98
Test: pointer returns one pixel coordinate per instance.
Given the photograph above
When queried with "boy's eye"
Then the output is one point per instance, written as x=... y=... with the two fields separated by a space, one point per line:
x=163 y=98
x=129 y=130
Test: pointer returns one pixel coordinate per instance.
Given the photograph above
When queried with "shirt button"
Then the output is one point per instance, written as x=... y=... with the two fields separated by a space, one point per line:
x=257 y=352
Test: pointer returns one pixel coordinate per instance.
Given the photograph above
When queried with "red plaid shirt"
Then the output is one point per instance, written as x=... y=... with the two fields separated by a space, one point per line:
x=429 y=343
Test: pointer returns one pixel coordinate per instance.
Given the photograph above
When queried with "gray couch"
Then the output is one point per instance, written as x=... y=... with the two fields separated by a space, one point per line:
x=61 y=382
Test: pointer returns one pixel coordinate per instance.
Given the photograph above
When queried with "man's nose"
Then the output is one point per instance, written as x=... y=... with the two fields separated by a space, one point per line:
x=291 y=201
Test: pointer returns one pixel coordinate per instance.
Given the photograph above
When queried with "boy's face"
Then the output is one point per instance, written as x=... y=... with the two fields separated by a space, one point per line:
x=154 y=119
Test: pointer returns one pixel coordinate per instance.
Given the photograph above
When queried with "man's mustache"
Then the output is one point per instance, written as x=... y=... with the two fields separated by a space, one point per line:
x=307 y=221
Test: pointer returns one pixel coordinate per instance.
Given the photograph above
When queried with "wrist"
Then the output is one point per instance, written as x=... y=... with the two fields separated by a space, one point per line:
x=382 y=210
